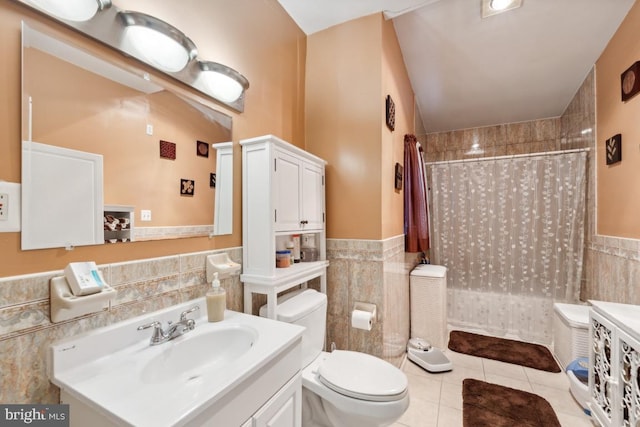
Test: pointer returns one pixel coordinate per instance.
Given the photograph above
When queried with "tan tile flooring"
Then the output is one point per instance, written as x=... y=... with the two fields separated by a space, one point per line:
x=436 y=399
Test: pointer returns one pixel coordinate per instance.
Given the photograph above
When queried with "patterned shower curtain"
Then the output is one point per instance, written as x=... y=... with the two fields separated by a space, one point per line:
x=510 y=231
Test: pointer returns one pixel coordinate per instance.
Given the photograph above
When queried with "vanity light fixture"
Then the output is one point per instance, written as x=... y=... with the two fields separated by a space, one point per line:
x=156 y=42
x=71 y=10
x=220 y=81
x=493 y=7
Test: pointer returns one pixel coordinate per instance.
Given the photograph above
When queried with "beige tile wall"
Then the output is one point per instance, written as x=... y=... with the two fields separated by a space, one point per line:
x=146 y=285
x=370 y=271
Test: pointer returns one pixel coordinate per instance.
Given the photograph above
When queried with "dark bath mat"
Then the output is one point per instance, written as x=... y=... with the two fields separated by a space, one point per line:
x=491 y=405
x=520 y=353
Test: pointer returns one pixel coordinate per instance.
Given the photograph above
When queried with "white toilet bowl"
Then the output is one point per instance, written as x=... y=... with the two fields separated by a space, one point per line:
x=347 y=389
x=341 y=388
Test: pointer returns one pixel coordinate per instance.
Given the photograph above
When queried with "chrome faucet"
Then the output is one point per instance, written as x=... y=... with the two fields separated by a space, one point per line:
x=174 y=330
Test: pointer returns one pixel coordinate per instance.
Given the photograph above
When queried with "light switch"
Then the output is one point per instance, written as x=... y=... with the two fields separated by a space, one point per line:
x=10 y=207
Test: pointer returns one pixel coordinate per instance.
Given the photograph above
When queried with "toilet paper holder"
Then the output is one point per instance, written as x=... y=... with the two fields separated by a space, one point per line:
x=365 y=306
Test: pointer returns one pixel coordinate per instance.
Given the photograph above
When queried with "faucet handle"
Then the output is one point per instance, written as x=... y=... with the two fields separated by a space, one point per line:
x=183 y=315
x=157 y=335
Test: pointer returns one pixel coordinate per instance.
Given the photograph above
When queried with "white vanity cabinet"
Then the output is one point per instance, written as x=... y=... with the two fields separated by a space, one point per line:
x=614 y=364
x=282 y=410
x=283 y=194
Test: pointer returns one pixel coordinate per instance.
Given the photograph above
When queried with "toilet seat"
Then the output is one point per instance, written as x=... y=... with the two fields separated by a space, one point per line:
x=362 y=376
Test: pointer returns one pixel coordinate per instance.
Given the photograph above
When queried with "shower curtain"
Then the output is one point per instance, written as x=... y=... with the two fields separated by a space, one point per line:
x=510 y=231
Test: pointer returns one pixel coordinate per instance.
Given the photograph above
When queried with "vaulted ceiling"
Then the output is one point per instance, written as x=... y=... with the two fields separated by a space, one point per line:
x=466 y=71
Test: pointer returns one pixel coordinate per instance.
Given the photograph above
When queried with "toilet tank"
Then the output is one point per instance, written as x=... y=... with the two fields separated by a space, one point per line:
x=308 y=308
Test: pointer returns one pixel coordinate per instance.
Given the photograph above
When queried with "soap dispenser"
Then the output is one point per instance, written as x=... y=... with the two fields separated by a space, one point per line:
x=216 y=300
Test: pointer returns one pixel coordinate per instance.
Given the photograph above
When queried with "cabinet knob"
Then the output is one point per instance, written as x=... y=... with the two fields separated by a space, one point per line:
x=304 y=222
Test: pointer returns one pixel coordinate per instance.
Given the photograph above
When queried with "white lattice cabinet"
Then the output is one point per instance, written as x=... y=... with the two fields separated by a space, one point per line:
x=614 y=364
x=283 y=194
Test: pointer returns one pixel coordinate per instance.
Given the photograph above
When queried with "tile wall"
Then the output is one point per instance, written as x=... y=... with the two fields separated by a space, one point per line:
x=143 y=286
x=371 y=271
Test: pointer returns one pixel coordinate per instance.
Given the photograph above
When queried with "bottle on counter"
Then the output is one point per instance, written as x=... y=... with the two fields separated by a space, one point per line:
x=216 y=300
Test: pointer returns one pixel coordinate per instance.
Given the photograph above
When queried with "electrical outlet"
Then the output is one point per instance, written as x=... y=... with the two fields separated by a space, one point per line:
x=4 y=207
x=145 y=215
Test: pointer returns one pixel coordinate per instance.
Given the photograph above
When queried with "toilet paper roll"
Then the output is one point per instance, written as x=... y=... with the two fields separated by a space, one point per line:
x=361 y=319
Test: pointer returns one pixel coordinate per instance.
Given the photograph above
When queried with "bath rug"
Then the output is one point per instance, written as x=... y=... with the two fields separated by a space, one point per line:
x=520 y=353
x=492 y=405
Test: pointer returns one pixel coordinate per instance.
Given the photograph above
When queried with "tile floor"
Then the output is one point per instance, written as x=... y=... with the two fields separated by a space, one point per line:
x=436 y=399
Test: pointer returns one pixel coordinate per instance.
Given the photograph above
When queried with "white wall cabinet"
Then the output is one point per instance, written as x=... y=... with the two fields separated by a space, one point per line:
x=283 y=194
x=614 y=364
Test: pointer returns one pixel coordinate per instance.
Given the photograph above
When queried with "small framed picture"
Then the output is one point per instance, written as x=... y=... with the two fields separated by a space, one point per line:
x=187 y=187
x=212 y=180
x=202 y=149
x=613 y=146
x=167 y=150
x=399 y=174
x=390 y=108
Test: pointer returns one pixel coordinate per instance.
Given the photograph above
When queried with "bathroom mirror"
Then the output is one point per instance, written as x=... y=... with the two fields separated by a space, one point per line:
x=156 y=142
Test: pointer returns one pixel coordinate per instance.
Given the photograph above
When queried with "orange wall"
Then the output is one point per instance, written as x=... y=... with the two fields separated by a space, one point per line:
x=257 y=38
x=350 y=69
x=618 y=185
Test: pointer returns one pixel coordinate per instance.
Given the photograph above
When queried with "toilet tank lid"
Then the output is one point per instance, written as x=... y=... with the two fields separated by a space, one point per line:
x=297 y=304
x=429 y=270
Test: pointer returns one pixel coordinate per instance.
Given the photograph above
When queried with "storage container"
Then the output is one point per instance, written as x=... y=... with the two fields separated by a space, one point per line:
x=570 y=332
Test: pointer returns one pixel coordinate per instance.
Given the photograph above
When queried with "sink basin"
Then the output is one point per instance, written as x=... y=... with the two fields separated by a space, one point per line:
x=217 y=374
x=187 y=357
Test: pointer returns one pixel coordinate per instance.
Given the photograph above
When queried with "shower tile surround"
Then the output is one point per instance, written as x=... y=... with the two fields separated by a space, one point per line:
x=612 y=264
x=143 y=286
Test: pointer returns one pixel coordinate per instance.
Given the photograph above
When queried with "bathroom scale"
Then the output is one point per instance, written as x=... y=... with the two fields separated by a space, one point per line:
x=427 y=357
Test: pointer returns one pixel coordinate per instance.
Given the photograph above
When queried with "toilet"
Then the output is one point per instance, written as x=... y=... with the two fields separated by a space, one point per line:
x=340 y=388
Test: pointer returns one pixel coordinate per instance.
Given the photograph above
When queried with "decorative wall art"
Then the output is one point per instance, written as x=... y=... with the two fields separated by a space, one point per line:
x=630 y=81
x=187 y=187
x=399 y=173
x=202 y=149
x=212 y=180
x=391 y=113
x=613 y=147
x=167 y=150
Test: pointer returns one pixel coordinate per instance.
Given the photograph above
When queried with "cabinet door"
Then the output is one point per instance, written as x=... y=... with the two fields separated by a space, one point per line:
x=602 y=377
x=284 y=409
x=628 y=362
x=312 y=215
x=286 y=188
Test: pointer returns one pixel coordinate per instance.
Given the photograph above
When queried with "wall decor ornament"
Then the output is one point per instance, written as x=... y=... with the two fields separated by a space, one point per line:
x=212 y=180
x=187 y=187
x=630 y=81
x=613 y=147
x=167 y=150
x=202 y=149
x=391 y=113
x=399 y=174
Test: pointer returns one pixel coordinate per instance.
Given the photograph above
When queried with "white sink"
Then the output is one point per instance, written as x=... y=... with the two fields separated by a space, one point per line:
x=188 y=357
x=217 y=374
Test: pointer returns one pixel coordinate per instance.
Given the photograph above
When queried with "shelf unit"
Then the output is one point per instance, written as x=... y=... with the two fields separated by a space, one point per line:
x=283 y=194
x=124 y=231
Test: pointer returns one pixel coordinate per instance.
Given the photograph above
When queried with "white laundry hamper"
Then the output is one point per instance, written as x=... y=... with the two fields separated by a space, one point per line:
x=428 y=294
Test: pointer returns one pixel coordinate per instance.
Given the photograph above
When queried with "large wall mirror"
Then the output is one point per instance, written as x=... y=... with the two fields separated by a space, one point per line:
x=156 y=143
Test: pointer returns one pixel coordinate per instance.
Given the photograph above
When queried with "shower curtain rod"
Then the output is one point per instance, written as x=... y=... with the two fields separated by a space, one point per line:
x=508 y=156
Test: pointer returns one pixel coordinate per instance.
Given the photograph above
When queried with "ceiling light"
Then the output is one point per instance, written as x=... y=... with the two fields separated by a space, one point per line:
x=493 y=7
x=156 y=42
x=221 y=82
x=71 y=10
